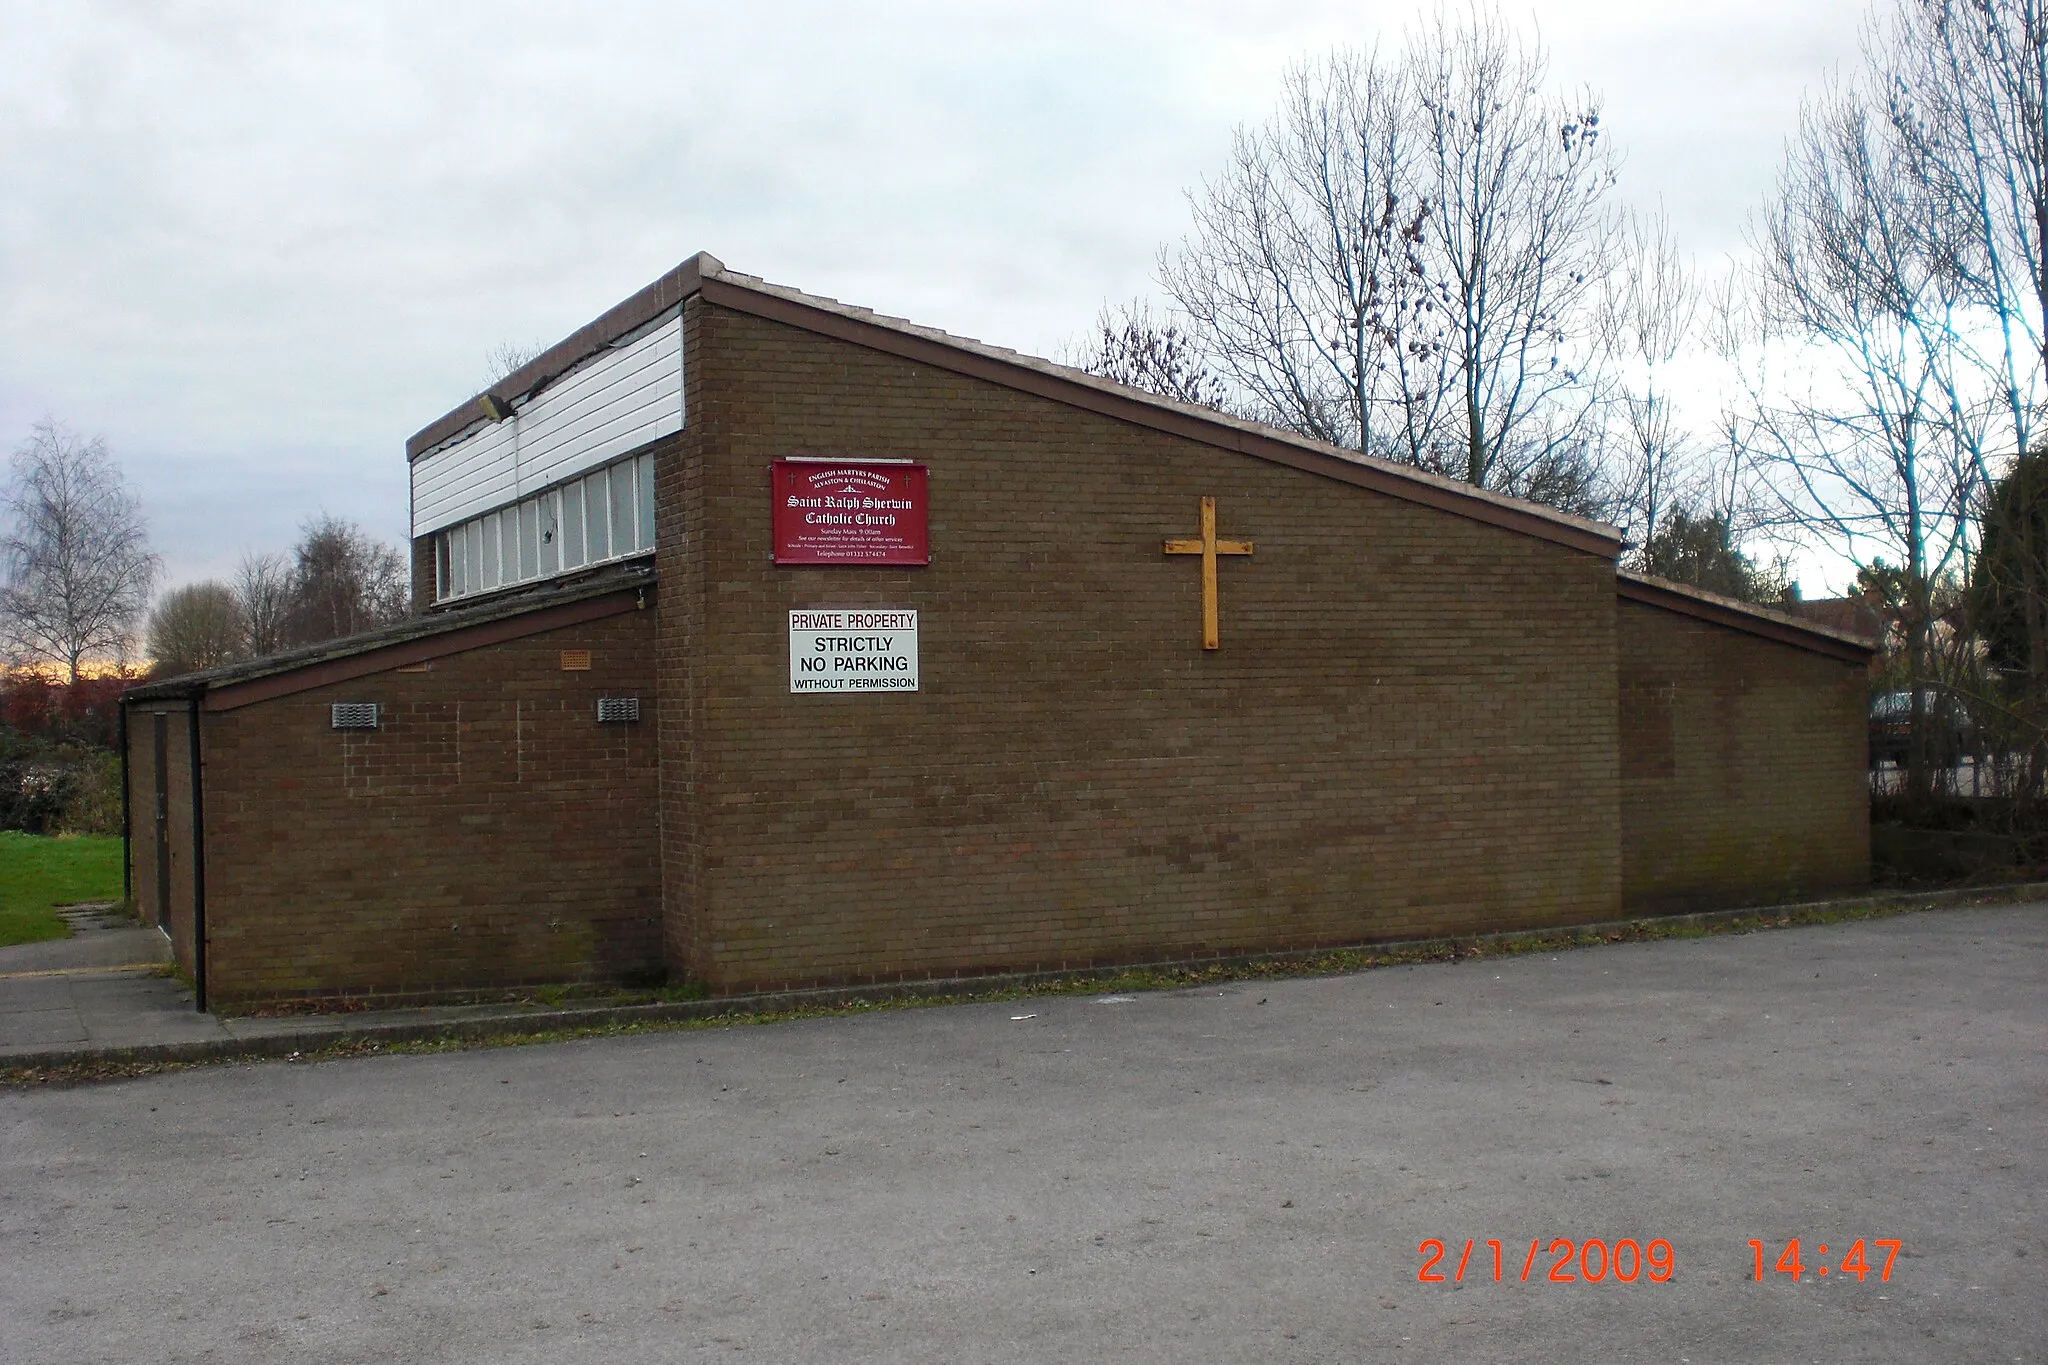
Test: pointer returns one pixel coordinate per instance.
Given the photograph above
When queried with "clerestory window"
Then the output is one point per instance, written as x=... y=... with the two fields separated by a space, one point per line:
x=605 y=515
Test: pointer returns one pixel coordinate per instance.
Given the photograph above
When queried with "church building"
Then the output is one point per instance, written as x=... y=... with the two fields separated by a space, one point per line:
x=763 y=642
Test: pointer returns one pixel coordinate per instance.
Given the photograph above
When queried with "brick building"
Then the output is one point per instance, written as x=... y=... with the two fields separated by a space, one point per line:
x=1021 y=669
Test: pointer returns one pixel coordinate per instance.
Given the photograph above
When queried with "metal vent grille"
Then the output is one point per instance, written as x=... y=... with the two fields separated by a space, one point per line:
x=354 y=715
x=617 y=710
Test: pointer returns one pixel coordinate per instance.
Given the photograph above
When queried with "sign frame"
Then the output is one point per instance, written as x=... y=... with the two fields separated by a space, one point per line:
x=853 y=649
x=849 y=513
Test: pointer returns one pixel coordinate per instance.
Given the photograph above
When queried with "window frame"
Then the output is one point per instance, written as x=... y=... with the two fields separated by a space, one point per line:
x=493 y=551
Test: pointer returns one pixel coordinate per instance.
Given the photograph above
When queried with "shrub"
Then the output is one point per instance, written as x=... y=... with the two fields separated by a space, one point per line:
x=36 y=786
x=94 y=804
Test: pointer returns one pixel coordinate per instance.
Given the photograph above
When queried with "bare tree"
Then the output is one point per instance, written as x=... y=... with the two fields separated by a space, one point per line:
x=1518 y=244
x=263 y=595
x=1966 y=88
x=507 y=358
x=1902 y=299
x=1737 y=483
x=78 y=564
x=1648 y=308
x=1301 y=281
x=1873 y=440
x=1131 y=346
x=197 y=626
x=1965 y=91
x=344 y=582
x=1406 y=259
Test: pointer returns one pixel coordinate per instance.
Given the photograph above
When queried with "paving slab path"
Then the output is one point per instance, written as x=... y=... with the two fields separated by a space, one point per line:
x=1237 y=1173
x=101 y=995
x=98 y=988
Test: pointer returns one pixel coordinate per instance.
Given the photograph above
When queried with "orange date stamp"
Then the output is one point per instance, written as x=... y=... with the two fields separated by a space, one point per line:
x=1564 y=1261
x=1628 y=1261
x=1856 y=1261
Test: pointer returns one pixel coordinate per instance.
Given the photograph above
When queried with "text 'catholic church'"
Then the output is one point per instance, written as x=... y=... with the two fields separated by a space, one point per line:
x=769 y=642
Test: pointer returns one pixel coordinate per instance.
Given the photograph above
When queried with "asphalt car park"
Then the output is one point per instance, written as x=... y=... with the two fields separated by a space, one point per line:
x=1255 y=1171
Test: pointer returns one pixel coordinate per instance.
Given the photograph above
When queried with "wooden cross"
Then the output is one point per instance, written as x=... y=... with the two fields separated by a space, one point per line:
x=1208 y=547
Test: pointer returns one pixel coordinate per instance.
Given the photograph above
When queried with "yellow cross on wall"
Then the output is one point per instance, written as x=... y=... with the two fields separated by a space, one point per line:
x=1208 y=547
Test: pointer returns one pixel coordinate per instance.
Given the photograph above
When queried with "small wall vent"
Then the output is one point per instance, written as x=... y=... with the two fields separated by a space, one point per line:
x=354 y=715
x=618 y=710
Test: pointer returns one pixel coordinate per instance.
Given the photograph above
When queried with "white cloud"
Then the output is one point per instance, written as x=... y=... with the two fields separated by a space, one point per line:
x=257 y=245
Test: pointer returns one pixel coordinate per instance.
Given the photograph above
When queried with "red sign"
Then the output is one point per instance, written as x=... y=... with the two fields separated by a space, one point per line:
x=851 y=512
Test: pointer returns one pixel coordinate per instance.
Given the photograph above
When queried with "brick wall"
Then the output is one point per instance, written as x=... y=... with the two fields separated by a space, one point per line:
x=489 y=834
x=425 y=573
x=681 y=567
x=1743 y=766
x=175 y=812
x=1418 y=725
x=1410 y=728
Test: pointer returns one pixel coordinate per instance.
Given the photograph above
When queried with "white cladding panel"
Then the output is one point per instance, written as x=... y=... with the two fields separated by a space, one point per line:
x=618 y=400
x=476 y=473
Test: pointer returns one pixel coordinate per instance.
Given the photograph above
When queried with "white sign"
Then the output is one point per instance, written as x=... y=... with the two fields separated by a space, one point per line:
x=869 y=650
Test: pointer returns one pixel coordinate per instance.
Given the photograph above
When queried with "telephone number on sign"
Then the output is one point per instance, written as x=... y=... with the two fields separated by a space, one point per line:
x=1563 y=1261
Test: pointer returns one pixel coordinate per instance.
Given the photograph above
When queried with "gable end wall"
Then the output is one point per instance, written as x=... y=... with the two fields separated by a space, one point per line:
x=1743 y=767
x=488 y=835
x=1410 y=728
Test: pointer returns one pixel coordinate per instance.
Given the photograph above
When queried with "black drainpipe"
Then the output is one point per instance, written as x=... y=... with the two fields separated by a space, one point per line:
x=198 y=864
x=127 y=865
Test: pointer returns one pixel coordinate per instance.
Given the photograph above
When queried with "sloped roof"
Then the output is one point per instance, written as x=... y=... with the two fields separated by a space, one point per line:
x=1851 y=614
x=708 y=277
x=1736 y=614
x=415 y=639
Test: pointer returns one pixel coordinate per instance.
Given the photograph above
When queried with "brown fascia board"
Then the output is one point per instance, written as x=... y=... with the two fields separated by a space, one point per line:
x=420 y=649
x=1744 y=616
x=1076 y=388
x=558 y=359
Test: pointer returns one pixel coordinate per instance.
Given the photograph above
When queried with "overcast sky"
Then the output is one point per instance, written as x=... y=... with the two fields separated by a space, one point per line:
x=255 y=246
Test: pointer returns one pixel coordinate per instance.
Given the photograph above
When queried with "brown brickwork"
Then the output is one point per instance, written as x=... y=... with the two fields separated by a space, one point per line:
x=681 y=566
x=1743 y=767
x=1428 y=716
x=488 y=834
x=425 y=573
x=1410 y=728
x=164 y=824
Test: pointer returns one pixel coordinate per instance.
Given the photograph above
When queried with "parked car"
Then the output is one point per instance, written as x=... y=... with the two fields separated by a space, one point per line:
x=1951 y=734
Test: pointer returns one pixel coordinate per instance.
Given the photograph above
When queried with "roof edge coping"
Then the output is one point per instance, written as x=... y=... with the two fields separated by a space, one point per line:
x=670 y=289
x=1736 y=614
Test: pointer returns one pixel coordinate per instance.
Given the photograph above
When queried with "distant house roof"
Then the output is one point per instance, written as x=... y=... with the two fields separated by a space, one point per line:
x=1847 y=645
x=706 y=276
x=1852 y=615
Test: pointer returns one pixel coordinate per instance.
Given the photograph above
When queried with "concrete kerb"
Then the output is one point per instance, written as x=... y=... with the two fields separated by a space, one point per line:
x=317 y=1038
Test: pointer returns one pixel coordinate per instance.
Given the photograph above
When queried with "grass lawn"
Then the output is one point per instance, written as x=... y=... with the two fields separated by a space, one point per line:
x=37 y=874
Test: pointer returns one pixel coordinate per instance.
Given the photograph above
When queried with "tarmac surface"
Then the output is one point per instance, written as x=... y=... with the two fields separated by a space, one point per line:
x=104 y=994
x=1237 y=1173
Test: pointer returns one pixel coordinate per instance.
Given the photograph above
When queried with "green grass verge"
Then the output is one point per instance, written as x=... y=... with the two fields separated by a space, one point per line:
x=38 y=874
